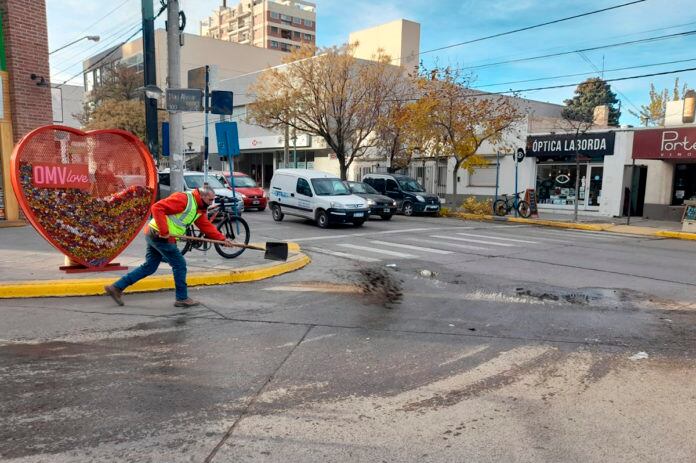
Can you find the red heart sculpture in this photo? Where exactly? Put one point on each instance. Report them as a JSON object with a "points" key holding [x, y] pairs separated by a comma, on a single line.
{"points": [[87, 193]]}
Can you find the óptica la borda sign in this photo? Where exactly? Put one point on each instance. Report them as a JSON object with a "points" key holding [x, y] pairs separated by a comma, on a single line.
{"points": [[61, 176]]}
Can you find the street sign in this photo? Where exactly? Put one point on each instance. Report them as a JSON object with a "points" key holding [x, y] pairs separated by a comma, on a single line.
{"points": [[221, 102], [227, 138], [196, 77], [181, 99], [519, 156]]}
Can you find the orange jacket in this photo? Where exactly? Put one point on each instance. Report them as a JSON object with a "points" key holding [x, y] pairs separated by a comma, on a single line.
{"points": [[175, 204]]}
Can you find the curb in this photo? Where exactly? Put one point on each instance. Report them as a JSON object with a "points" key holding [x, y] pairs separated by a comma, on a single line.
{"points": [[12, 223], [95, 286], [575, 226]]}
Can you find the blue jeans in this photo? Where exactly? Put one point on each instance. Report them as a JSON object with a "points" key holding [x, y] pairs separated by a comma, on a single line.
{"points": [[158, 251]]}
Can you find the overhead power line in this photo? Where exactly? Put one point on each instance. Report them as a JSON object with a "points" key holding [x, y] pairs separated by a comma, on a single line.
{"points": [[582, 50], [522, 29]]}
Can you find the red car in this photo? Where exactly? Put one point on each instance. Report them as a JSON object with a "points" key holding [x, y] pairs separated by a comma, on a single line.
{"points": [[254, 197]]}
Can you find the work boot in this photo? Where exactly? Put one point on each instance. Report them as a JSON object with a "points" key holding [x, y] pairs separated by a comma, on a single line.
{"points": [[188, 302], [115, 293]]}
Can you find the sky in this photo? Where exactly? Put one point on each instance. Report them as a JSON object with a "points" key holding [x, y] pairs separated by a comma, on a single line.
{"points": [[449, 22]]}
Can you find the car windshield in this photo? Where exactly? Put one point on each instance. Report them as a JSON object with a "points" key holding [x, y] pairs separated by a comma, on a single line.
{"points": [[196, 181], [358, 187], [329, 187], [242, 181], [410, 185]]}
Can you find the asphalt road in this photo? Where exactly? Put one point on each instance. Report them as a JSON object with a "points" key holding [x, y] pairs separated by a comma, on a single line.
{"points": [[419, 339]]}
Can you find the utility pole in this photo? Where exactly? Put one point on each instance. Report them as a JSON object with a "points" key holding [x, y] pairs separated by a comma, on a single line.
{"points": [[176, 136], [150, 78], [286, 148]]}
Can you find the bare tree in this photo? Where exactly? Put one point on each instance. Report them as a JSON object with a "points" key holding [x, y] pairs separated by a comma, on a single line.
{"points": [[331, 94]]}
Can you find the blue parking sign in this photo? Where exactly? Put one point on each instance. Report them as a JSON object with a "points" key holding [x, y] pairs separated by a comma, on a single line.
{"points": [[227, 138]]}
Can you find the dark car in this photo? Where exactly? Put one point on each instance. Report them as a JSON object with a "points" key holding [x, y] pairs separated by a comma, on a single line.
{"points": [[409, 195], [380, 205]]}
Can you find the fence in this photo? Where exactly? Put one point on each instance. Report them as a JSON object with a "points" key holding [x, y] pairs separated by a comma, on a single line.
{"points": [[432, 174]]}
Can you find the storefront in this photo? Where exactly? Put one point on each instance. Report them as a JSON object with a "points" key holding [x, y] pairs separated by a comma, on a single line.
{"points": [[557, 172], [669, 154]]}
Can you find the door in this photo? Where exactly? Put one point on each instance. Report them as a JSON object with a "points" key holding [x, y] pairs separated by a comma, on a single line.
{"points": [[394, 192], [594, 194], [303, 199]]}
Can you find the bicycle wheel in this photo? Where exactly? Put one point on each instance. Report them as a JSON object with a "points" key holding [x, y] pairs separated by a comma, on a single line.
{"points": [[524, 209], [236, 229], [500, 207], [185, 245]]}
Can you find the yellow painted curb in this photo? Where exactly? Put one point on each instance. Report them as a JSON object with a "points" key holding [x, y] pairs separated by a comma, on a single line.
{"points": [[95, 286], [677, 235], [554, 223]]}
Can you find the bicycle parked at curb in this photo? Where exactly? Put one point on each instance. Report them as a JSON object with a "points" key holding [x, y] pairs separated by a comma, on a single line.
{"points": [[508, 203], [230, 224]]}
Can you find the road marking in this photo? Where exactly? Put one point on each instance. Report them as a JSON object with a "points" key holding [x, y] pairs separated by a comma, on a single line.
{"points": [[451, 245], [472, 241], [343, 254], [408, 246], [379, 251], [498, 238], [407, 230]]}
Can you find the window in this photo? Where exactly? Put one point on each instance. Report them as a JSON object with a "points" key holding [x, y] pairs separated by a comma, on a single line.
{"points": [[274, 30], [410, 185], [275, 15], [483, 176], [330, 187], [391, 185], [297, 20], [295, 35], [164, 179], [307, 37], [308, 22], [286, 34], [377, 184], [274, 44], [303, 187], [556, 184], [287, 18]]}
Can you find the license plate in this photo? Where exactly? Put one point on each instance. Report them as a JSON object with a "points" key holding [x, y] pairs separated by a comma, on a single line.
{"points": [[386, 209], [254, 202], [358, 214]]}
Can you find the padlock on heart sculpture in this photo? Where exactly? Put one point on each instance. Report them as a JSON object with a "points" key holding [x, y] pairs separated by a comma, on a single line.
{"points": [[86, 193]]}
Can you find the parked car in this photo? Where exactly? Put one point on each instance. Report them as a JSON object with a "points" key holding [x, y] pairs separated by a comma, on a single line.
{"points": [[409, 195], [315, 195], [254, 196], [380, 205], [194, 180]]}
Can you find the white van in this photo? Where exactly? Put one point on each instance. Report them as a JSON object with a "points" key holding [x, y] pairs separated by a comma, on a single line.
{"points": [[315, 195]]}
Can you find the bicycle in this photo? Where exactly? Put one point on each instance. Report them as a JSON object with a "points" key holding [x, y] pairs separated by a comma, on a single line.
{"points": [[233, 226], [510, 202]]}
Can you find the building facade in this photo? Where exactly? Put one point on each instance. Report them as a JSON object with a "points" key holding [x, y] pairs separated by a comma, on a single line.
{"points": [[276, 24]]}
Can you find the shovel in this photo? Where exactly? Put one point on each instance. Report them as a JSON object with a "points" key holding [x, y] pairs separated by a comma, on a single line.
{"points": [[273, 250]]}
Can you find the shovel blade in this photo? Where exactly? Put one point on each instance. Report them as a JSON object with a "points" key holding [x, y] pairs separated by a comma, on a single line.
{"points": [[276, 251]]}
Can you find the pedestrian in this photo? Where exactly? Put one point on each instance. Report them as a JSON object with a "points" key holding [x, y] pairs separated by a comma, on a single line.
{"points": [[171, 216]]}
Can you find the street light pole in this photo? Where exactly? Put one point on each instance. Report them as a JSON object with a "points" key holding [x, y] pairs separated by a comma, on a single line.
{"points": [[93, 38], [149, 77]]}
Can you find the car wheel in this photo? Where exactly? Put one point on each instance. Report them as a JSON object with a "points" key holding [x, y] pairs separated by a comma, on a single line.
{"points": [[407, 208], [358, 223], [322, 219], [386, 217], [277, 213]]}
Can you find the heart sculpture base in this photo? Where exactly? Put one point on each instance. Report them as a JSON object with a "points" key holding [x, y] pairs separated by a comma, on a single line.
{"points": [[77, 268], [83, 269]]}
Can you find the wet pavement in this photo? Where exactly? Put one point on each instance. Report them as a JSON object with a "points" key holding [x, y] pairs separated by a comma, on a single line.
{"points": [[486, 356]]}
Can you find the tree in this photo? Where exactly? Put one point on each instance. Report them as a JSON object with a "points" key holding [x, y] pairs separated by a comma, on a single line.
{"points": [[451, 119], [115, 103], [328, 93], [589, 94], [653, 114]]}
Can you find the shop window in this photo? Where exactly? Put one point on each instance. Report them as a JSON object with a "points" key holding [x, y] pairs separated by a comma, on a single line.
{"points": [[556, 184], [684, 183]]}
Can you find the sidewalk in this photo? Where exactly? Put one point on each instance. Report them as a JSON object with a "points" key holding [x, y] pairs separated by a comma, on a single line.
{"points": [[29, 268], [638, 225]]}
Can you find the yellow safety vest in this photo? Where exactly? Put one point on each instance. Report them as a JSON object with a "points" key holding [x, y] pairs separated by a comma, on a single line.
{"points": [[177, 223]]}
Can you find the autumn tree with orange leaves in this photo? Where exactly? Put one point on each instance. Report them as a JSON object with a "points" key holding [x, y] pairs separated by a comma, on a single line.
{"points": [[449, 118]]}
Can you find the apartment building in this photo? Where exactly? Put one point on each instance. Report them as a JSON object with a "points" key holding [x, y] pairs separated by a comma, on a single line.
{"points": [[275, 24]]}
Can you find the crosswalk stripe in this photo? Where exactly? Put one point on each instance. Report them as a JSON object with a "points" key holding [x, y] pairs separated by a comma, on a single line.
{"points": [[498, 238], [472, 240], [451, 245], [343, 254], [408, 246], [378, 251], [578, 234]]}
